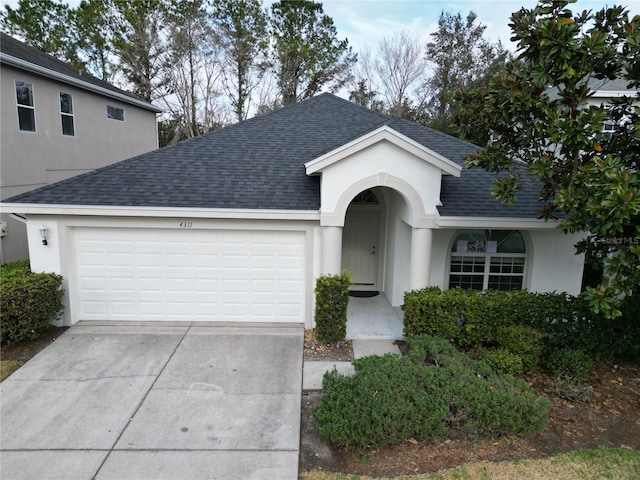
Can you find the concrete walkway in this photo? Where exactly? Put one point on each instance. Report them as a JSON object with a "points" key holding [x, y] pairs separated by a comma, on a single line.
{"points": [[373, 318], [156, 402]]}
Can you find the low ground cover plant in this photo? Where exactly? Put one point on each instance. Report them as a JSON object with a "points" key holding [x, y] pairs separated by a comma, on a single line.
{"points": [[29, 302], [435, 392]]}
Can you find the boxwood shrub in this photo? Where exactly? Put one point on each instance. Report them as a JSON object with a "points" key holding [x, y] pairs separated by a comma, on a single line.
{"points": [[29, 302], [472, 319], [332, 299], [433, 393]]}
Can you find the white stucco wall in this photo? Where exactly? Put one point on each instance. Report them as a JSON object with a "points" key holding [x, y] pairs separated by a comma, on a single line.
{"points": [[397, 252], [551, 261], [553, 265], [381, 164]]}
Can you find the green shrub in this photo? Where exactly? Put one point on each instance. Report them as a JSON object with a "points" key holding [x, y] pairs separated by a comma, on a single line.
{"points": [[434, 392], [382, 404], [504, 361], [471, 319], [12, 268], [569, 363], [29, 302], [523, 341], [332, 298]]}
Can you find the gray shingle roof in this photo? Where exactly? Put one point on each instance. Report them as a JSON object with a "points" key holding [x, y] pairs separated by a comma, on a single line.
{"points": [[16, 49], [259, 164]]}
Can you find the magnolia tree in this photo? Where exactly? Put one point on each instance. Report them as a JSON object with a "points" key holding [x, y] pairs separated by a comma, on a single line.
{"points": [[541, 111]]}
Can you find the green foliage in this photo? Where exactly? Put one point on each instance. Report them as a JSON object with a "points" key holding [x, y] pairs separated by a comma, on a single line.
{"points": [[242, 26], [569, 363], [524, 341], [433, 393], [332, 298], [461, 58], [29, 302], [45, 24], [523, 322], [504, 361], [12, 268], [382, 404], [306, 51], [542, 111]]}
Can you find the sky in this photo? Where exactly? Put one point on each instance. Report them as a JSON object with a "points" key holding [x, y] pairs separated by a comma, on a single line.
{"points": [[366, 22]]}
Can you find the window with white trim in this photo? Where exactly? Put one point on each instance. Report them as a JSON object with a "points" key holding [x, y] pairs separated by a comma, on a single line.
{"points": [[488, 259], [26, 106], [66, 114], [115, 113]]}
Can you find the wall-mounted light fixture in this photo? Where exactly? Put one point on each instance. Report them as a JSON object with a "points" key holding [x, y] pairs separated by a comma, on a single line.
{"points": [[44, 233]]}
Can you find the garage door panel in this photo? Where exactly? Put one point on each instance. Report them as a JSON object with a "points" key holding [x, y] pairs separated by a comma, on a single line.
{"points": [[209, 275]]}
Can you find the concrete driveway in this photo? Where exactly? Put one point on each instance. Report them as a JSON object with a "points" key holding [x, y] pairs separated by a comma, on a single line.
{"points": [[123, 401]]}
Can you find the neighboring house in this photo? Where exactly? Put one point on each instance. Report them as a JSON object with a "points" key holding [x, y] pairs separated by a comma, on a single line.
{"points": [[57, 122], [236, 225]]}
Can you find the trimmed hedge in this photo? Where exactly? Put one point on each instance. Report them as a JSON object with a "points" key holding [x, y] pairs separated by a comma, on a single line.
{"points": [[332, 298], [11, 268], [29, 302], [472, 319], [433, 393]]}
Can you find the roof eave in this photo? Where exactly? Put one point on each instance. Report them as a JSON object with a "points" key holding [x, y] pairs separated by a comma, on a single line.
{"points": [[31, 67], [159, 212], [511, 223]]}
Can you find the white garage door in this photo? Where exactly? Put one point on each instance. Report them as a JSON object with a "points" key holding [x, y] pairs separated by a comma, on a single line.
{"points": [[196, 275]]}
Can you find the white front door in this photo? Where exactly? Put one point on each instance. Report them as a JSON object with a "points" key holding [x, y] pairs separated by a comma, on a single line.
{"points": [[360, 247]]}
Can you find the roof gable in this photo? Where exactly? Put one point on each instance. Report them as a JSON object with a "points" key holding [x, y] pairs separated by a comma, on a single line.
{"points": [[384, 133]]}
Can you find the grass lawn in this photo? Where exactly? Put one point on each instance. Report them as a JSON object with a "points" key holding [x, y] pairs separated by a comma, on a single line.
{"points": [[7, 367], [601, 463]]}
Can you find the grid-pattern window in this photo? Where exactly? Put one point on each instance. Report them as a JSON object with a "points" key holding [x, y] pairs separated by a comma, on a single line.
{"points": [[485, 259], [26, 106], [506, 273], [66, 114], [467, 272], [115, 113]]}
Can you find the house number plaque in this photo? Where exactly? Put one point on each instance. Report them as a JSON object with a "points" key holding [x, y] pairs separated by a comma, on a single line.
{"points": [[186, 224]]}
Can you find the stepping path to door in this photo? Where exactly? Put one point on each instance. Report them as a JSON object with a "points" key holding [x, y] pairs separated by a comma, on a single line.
{"points": [[163, 401]]}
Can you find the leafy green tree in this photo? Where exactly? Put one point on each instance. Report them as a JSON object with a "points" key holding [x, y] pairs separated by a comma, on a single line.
{"points": [[307, 53], [45, 25], [242, 27], [461, 58], [543, 112], [140, 46], [94, 32]]}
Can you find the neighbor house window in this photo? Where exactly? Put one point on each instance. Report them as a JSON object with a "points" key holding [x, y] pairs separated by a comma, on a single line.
{"points": [[488, 259], [609, 128], [26, 108], [66, 113], [115, 113]]}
